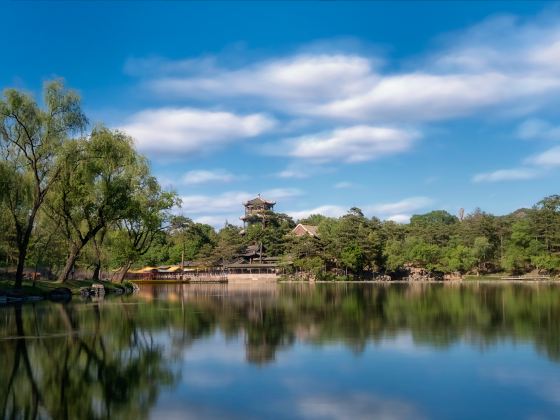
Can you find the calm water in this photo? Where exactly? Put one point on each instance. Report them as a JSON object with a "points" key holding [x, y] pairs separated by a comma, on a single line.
{"points": [[287, 351]]}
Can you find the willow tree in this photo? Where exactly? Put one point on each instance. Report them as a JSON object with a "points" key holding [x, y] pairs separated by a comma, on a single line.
{"points": [[99, 175], [146, 218], [30, 138]]}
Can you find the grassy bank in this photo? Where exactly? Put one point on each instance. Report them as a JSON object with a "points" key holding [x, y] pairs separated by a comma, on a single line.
{"points": [[43, 288]]}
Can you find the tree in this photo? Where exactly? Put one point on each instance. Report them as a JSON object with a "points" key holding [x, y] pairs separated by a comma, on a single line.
{"points": [[100, 175], [30, 138], [230, 243], [481, 250], [435, 227], [145, 219], [271, 233], [190, 240], [458, 258], [545, 219], [521, 246]]}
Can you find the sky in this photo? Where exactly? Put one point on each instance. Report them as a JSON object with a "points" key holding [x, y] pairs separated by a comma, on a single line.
{"points": [[397, 108]]}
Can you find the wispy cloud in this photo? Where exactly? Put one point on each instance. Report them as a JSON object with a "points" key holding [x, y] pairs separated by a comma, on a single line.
{"points": [[537, 129], [207, 176], [496, 63], [406, 205], [548, 158], [343, 185], [184, 131], [300, 79], [350, 144], [515, 174], [400, 218], [230, 202], [326, 210], [398, 211]]}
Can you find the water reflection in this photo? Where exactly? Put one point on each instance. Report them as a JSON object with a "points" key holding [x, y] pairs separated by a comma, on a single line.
{"points": [[141, 355], [63, 361], [272, 316]]}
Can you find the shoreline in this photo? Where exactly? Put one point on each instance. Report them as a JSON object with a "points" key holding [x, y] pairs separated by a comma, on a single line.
{"points": [[63, 292], [52, 291]]}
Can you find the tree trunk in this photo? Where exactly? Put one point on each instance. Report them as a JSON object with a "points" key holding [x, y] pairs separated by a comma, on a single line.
{"points": [[70, 261], [22, 254], [20, 266], [98, 244], [124, 270], [23, 245], [96, 271]]}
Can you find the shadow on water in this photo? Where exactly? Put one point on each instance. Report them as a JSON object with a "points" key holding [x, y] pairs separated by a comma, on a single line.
{"points": [[112, 359]]}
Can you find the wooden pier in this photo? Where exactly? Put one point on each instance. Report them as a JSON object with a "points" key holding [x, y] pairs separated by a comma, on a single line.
{"points": [[208, 276]]}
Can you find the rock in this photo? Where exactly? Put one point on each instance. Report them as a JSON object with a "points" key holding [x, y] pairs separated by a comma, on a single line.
{"points": [[421, 274], [98, 289], [119, 290], [456, 276]]}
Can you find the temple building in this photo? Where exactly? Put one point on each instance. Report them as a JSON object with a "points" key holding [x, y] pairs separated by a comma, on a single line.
{"points": [[303, 230], [256, 210]]}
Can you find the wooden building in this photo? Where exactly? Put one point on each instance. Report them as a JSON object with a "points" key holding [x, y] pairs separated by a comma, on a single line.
{"points": [[302, 230], [256, 210]]}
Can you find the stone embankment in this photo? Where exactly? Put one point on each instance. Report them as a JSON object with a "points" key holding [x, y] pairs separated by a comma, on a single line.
{"points": [[421, 274]]}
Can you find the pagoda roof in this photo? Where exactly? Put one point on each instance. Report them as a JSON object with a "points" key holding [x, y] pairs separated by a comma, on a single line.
{"points": [[259, 200]]}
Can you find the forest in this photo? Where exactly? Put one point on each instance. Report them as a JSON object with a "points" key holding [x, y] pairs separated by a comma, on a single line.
{"points": [[355, 246], [79, 197]]}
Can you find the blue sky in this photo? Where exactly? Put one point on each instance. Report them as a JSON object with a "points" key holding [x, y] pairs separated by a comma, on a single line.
{"points": [[397, 108]]}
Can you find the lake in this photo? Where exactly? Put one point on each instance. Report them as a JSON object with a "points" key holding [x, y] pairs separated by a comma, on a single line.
{"points": [[307, 351]]}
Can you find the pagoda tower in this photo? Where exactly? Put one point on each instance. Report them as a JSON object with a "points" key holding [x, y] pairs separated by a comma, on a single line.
{"points": [[256, 210]]}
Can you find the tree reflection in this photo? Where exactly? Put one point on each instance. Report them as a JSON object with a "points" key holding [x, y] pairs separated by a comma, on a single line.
{"points": [[112, 359], [84, 371], [437, 315]]}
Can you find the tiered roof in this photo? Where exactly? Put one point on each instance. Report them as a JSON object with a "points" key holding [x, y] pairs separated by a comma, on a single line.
{"points": [[258, 200]]}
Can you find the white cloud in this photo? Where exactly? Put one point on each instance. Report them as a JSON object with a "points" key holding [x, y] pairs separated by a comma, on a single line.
{"points": [[549, 158], [390, 211], [185, 131], [351, 144], [497, 63], [400, 218], [422, 96], [396, 209], [538, 129], [328, 210], [299, 169], [299, 79], [206, 176], [218, 221], [343, 185], [506, 175], [230, 202], [291, 173]]}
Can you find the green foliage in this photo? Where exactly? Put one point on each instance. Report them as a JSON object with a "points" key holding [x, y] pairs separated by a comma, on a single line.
{"points": [[271, 233], [31, 138], [435, 227]]}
